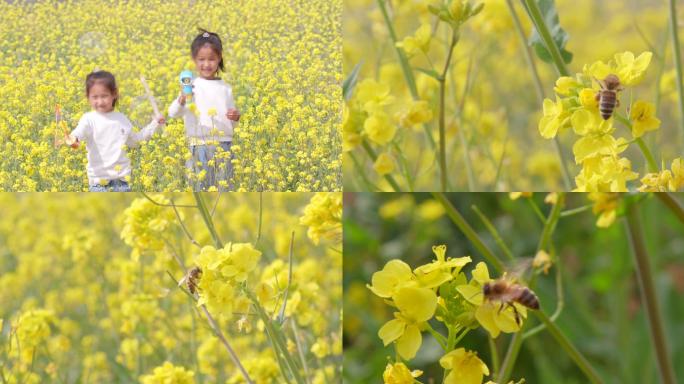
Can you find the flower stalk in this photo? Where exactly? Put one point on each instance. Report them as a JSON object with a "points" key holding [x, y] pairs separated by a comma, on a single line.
{"points": [[442, 111], [669, 200], [543, 29], [677, 59], [405, 66], [648, 295], [540, 89]]}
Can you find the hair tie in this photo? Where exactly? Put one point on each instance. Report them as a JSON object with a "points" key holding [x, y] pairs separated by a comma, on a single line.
{"points": [[205, 34]]}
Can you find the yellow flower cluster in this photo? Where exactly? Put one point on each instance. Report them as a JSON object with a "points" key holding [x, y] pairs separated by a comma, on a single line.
{"points": [[145, 221], [597, 150], [323, 216], [666, 180], [282, 59], [439, 290], [169, 374], [493, 96], [222, 269], [77, 299]]}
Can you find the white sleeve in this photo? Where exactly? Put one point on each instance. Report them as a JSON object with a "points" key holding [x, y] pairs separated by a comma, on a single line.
{"points": [[83, 130], [176, 109], [135, 137]]}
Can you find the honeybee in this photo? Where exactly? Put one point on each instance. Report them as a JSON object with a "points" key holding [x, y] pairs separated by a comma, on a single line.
{"points": [[507, 293], [192, 279], [607, 95]]}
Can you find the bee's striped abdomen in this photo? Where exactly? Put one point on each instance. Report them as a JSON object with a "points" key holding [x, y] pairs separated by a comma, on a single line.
{"points": [[528, 299], [607, 103]]}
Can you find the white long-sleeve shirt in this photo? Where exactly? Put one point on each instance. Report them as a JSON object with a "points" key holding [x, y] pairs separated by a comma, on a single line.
{"points": [[210, 97], [106, 136]]}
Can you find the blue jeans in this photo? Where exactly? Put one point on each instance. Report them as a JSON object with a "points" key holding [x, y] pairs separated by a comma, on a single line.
{"points": [[222, 170], [112, 186]]}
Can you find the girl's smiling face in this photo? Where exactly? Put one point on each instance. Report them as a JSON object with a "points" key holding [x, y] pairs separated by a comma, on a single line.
{"points": [[101, 98], [207, 62]]}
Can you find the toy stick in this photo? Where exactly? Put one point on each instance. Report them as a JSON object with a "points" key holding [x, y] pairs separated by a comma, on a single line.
{"points": [[150, 97], [59, 123]]}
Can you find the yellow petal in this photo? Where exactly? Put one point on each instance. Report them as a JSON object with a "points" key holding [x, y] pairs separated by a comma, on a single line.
{"points": [[416, 304], [481, 273], [391, 331], [409, 343], [395, 274], [471, 293], [485, 316]]}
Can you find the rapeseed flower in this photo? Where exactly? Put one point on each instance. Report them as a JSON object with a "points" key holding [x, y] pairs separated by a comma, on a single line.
{"points": [[642, 115], [398, 373], [464, 367], [493, 316], [416, 306]]}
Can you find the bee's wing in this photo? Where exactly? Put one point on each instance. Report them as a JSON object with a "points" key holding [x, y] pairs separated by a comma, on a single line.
{"points": [[516, 271], [183, 280]]}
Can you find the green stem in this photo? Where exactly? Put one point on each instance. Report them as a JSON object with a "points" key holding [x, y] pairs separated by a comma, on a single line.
{"points": [[207, 219], [495, 234], [495, 353], [461, 132], [648, 294], [231, 352], [540, 89], [528, 54], [277, 337], [408, 175], [536, 209], [440, 338], [545, 34], [551, 222], [677, 59], [300, 350], [261, 211], [560, 304], [650, 160], [669, 200], [469, 232], [652, 165], [405, 66], [442, 108], [371, 153], [370, 187], [570, 349], [574, 211], [511, 356]]}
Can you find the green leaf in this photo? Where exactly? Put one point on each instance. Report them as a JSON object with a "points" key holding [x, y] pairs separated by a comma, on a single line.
{"points": [[558, 34], [350, 82]]}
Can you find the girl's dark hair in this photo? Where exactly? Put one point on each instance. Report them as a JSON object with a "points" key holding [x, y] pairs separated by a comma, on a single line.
{"points": [[211, 39], [105, 78]]}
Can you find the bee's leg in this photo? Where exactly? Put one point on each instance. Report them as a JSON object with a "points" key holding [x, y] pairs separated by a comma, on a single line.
{"points": [[517, 315], [598, 96], [501, 307], [617, 103]]}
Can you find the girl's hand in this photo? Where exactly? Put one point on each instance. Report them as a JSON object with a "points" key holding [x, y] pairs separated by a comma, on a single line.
{"points": [[233, 114], [161, 120], [71, 141], [181, 99]]}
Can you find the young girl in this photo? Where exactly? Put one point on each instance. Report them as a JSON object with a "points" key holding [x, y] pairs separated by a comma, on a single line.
{"points": [[210, 115], [105, 132]]}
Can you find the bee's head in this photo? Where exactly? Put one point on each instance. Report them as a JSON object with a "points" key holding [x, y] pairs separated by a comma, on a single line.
{"points": [[486, 289], [612, 82]]}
